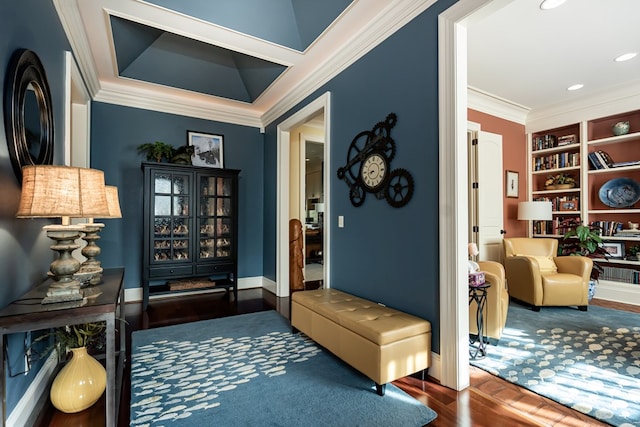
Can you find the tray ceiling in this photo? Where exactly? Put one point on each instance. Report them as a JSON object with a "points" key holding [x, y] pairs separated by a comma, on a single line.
{"points": [[249, 62]]}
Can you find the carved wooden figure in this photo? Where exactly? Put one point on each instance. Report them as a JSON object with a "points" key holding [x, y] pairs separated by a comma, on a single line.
{"points": [[296, 255]]}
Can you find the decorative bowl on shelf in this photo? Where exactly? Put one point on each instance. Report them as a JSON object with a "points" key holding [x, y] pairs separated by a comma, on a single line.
{"points": [[619, 193], [620, 128], [559, 186]]}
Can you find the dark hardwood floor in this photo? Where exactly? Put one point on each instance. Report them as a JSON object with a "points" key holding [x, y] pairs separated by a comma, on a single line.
{"points": [[489, 401]]}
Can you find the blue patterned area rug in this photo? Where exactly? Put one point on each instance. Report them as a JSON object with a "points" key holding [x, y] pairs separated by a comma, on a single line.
{"points": [[250, 370], [588, 361]]}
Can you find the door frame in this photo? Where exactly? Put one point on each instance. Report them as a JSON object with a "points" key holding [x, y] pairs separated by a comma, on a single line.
{"points": [[77, 116], [453, 183], [320, 104]]}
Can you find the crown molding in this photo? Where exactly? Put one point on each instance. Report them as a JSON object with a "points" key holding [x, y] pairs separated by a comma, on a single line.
{"points": [[387, 22], [157, 99], [284, 94], [486, 103], [71, 21], [599, 104]]}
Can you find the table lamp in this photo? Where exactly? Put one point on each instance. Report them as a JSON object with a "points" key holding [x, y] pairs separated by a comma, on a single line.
{"points": [[535, 211], [538, 210], [62, 192], [90, 271]]}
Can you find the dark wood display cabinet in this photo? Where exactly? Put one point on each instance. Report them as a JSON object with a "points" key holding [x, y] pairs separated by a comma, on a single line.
{"points": [[190, 222]]}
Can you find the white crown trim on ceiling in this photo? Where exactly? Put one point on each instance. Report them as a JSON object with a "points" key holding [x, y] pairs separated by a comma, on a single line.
{"points": [[362, 26]]}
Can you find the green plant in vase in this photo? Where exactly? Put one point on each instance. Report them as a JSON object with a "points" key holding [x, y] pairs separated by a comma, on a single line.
{"points": [[633, 253], [83, 379], [157, 151], [65, 338], [583, 240]]}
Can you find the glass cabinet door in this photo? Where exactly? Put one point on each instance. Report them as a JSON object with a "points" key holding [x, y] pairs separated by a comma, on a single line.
{"points": [[170, 198], [215, 225]]}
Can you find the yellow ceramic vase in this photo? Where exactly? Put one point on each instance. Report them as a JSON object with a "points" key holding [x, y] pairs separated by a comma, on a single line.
{"points": [[79, 384]]}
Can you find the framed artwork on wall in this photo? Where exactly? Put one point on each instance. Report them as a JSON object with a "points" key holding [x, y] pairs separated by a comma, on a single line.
{"points": [[208, 149], [511, 184]]}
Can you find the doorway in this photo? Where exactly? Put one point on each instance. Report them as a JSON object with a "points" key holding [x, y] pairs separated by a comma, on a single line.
{"points": [[291, 181], [453, 187], [313, 183]]}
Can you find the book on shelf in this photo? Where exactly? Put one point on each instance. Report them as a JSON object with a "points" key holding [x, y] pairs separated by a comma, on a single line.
{"points": [[605, 159], [602, 160], [627, 233], [607, 228], [567, 140], [595, 162], [622, 164], [543, 142], [618, 274]]}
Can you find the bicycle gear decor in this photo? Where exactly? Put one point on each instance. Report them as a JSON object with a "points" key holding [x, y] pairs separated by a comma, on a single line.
{"points": [[368, 167]]}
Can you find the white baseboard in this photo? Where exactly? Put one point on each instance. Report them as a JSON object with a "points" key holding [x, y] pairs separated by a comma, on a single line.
{"points": [[21, 414], [434, 369], [135, 294], [618, 292]]}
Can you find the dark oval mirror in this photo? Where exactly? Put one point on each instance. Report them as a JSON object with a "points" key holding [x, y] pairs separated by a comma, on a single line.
{"points": [[28, 117]]}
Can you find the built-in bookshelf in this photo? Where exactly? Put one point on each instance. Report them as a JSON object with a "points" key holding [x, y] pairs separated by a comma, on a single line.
{"points": [[605, 172]]}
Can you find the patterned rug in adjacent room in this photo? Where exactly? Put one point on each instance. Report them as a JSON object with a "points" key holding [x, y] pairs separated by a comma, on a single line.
{"points": [[251, 370], [588, 361]]}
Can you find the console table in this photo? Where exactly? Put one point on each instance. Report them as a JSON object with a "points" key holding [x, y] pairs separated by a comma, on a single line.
{"points": [[102, 302]]}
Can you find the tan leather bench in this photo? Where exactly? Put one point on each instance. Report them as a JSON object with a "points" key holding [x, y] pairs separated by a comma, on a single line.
{"points": [[382, 343]]}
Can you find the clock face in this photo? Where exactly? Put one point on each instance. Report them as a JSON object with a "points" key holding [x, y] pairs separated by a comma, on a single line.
{"points": [[374, 171]]}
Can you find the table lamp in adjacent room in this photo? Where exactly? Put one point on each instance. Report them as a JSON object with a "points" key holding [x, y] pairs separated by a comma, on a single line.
{"points": [[535, 211], [62, 192], [91, 269]]}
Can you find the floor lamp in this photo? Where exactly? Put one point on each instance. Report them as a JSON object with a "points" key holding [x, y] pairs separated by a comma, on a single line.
{"points": [[535, 211], [62, 192], [90, 272]]}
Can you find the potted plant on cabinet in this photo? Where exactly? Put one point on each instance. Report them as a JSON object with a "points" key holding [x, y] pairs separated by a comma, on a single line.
{"points": [[583, 240], [157, 151]]}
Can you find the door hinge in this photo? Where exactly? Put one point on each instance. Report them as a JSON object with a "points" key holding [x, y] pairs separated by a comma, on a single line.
{"points": [[474, 185], [474, 141], [475, 229]]}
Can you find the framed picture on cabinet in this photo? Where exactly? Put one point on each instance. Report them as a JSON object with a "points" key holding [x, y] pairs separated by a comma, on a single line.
{"points": [[511, 184], [208, 149], [614, 249]]}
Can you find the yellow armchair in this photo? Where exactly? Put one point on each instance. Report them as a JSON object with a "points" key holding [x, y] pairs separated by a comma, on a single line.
{"points": [[536, 276], [497, 305]]}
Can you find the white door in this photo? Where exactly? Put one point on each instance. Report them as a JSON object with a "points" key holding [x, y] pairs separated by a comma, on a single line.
{"points": [[487, 223]]}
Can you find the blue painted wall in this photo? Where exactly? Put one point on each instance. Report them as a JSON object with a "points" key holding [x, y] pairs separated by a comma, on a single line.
{"points": [[24, 248], [386, 254], [117, 131]]}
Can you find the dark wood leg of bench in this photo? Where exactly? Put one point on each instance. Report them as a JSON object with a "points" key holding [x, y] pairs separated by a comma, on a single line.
{"points": [[380, 389]]}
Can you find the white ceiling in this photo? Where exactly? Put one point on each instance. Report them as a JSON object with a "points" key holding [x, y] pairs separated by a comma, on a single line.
{"points": [[529, 56], [518, 53]]}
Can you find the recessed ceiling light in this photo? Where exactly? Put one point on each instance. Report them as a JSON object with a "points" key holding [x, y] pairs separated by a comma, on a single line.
{"points": [[626, 57], [550, 4], [575, 87]]}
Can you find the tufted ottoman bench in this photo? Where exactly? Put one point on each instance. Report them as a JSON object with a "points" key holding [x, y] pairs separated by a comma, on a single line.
{"points": [[382, 343]]}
